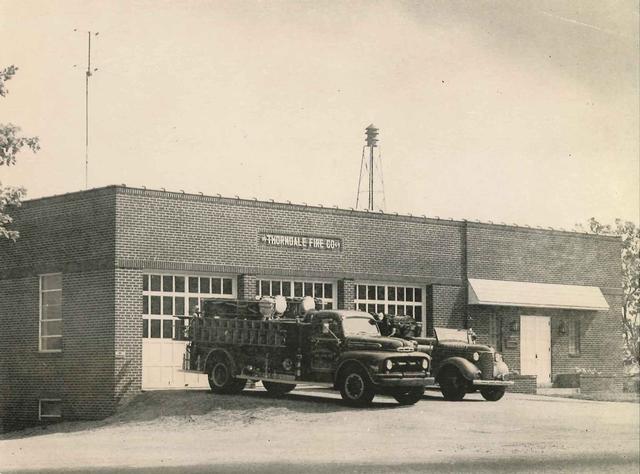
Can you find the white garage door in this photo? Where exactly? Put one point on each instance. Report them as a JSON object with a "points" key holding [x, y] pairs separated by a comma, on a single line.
{"points": [[164, 297]]}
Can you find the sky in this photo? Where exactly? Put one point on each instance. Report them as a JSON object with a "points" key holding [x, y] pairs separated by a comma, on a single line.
{"points": [[521, 112]]}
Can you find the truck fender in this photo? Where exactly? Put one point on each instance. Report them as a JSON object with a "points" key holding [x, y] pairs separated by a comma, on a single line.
{"points": [[347, 362], [468, 370], [219, 351]]}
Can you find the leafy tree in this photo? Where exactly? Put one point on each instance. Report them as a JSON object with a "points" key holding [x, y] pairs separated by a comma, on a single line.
{"points": [[630, 235], [11, 142]]}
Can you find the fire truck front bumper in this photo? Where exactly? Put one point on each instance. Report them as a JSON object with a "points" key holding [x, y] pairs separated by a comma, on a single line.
{"points": [[398, 380]]}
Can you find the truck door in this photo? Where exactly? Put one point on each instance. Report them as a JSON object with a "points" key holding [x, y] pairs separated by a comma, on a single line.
{"points": [[326, 337]]}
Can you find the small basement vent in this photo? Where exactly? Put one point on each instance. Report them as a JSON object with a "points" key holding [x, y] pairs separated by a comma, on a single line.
{"points": [[50, 409]]}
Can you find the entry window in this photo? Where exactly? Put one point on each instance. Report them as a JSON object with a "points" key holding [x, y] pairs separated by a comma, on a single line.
{"points": [[390, 299], [324, 290], [49, 409], [164, 297], [51, 313], [574, 337]]}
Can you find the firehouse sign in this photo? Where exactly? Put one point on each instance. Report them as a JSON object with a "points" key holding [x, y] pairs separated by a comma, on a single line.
{"points": [[301, 242]]}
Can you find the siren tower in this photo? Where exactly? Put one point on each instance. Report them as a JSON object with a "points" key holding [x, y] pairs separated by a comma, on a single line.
{"points": [[369, 164]]}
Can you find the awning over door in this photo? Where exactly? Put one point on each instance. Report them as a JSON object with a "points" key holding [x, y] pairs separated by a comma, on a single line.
{"points": [[536, 295]]}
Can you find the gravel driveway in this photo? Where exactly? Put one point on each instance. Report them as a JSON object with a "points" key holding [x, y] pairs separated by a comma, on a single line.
{"points": [[313, 428]]}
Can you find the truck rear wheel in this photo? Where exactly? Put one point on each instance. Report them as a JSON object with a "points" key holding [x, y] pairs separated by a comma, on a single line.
{"points": [[278, 389], [355, 387], [221, 379], [452, 384], [492, 394], [408, 397]]}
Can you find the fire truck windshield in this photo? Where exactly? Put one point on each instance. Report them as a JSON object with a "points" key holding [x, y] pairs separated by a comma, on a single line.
{"points": [[360, 326]]}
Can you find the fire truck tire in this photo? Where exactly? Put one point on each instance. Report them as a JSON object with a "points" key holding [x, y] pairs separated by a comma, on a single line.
{"points": [[409, 397], [355, 387], [492, 394], [452, 384], [278, 389], [221, 379]]}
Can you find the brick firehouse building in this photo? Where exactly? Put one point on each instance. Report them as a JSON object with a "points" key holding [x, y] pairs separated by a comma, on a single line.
{"points": [[90, 291]]}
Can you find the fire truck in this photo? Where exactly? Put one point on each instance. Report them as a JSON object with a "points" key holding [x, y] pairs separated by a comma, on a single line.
{"points": [[459, 364], [287, 343]]}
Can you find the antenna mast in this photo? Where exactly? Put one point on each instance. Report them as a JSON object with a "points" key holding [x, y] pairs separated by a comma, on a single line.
{"points": [[88, 73]]}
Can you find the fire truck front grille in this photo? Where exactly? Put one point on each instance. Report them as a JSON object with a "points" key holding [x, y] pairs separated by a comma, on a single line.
{"points": [[485, 364]]}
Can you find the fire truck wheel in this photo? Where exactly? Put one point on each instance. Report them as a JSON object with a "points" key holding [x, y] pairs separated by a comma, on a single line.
{"points": [[452, 384], [355, 387], [492, 394], [221, 379], [278, 389], [409, 397]]}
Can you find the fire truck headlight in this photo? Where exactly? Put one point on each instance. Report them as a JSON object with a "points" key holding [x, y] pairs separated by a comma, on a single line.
{"points": [[425, 364], [497, 357], [476, 356], [388, 364]]}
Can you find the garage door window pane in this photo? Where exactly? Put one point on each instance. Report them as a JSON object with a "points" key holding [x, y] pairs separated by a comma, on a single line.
{"points": [[308, 289], [155, 282], [193, 302], [328, 290], [155, 305], [155, 328], [179, 306], [167, 329], [227, 286], [297, 289], [317, 289], [167, 305], [418, 294], [145, 305], [179, 284], [286, 288], [145, 282], [145, 328], [167, 283], [216, 286], [205, 285], [193, 284]]}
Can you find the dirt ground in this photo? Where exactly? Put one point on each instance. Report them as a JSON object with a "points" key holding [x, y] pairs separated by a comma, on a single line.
{"points": [[312, 429]]}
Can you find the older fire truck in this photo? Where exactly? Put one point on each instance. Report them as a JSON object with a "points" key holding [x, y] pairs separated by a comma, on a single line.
{"points": [[282, 345], [459, 364]]}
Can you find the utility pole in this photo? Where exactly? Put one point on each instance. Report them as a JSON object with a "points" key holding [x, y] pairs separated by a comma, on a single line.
{"points": [[88, 73]]}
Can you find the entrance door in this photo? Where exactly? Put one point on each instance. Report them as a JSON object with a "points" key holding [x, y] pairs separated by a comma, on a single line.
{"points": [[535, 347]]}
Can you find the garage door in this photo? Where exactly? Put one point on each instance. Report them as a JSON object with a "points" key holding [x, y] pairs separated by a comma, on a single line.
{"points": [[164, 297]]}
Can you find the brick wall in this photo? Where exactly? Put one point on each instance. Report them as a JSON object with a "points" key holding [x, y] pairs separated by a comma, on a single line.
{"points": [[446, 307], [128, 334], [69, 233], [219, 234], [82, 374], [518, 254], [346, 293], [74, 235]]}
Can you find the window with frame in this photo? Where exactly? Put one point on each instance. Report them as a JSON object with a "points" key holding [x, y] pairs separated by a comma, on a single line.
{"points": [[573, 329], [390, 299], [323, 290], [49, 408], [165, 297], [50, 313]]}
